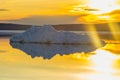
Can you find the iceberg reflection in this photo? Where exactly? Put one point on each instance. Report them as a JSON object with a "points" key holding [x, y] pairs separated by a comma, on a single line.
{"points": [[49, 51]]}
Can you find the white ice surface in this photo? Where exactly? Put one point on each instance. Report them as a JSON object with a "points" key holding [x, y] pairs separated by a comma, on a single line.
{"points": [[48, 34]]}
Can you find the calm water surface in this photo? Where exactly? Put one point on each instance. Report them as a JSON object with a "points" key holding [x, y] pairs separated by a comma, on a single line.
{"points": [[37, 62]]}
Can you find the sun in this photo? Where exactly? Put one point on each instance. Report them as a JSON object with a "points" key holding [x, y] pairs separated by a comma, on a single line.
{"points": [[103, 6], [96, 11], [97, 6]]}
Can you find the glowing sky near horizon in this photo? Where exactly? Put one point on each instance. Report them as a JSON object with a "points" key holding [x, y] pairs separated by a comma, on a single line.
{"points": [[15, 9], [86, 11]]}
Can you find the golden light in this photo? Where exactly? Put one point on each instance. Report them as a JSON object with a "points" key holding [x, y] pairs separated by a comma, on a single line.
{"points": [[80, 56], [100, 77], [114, 27], [103, 61], [94, 36]]}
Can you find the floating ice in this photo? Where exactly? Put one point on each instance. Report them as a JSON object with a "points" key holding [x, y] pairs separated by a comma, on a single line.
{"points": [[47, 34]]}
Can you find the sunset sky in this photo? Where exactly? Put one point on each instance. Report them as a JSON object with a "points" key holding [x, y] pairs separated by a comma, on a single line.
{"points": [[59, 11]]}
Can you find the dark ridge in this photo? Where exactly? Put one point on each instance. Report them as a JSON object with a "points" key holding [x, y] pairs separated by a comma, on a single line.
{"points": [[10, 26], [5, 35], [82, 27], [66, 27]]}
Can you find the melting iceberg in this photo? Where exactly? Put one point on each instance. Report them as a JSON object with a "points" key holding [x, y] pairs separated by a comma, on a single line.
{"points": [[47, 34]]}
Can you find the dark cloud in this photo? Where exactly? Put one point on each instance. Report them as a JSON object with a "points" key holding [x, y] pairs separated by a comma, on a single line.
{"points": [[4, 10], [85, 8], [88, 9]]}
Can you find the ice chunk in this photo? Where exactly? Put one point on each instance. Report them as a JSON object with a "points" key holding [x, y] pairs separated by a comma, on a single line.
{"points": [[47, 34]]}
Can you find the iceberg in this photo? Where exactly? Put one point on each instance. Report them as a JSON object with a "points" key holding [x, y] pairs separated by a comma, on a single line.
{"points": [[47, 34]]}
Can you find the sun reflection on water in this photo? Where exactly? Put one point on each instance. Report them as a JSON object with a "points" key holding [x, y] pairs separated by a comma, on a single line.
{"points": [[103, 61], [102, 77], [103, 66]]}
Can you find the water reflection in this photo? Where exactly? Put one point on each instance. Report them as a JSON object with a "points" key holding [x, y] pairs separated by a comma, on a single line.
{"points": [[104, 65], [49, 51]]}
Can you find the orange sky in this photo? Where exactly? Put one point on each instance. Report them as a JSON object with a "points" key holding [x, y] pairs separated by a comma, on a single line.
{"points": [[23, 8], [81, 11]]}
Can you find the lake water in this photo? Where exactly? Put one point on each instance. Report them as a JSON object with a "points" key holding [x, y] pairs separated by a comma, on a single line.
{"points": [[58, 62]]}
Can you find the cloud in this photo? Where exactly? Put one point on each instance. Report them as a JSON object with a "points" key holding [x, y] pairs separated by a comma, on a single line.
{"points": [[81, 8], [115, 12], [88, 15], [3, 9], [115, 15]]}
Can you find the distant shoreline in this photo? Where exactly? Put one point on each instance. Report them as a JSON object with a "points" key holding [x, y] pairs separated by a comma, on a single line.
{"points": [[7, 33], [9, 29], [65, 27]]}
